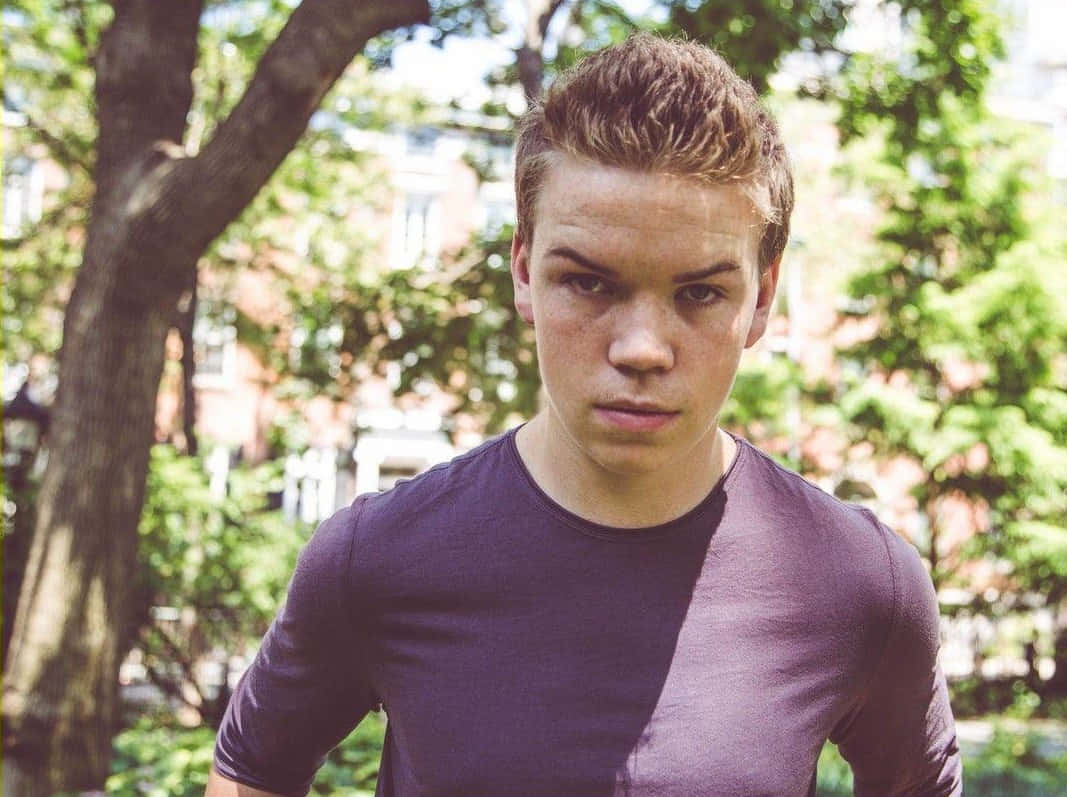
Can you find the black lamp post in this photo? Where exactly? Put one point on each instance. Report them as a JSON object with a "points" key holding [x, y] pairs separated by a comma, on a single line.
{"points": [[25, 422]]}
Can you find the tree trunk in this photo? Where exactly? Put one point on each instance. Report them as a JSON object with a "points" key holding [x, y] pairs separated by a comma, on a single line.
{"points": [[60, 689], [154, 213]]}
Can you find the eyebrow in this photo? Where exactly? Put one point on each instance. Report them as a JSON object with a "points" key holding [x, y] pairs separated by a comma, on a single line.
{"points": [[688, 276]]}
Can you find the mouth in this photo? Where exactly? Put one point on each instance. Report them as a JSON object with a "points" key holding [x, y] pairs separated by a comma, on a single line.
{"points": [[635, 416]]}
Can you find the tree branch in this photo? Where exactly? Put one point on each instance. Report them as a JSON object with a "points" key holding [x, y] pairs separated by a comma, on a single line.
{"points": [[546, 16], [81, 32], [529, 57], [175, 651], [56, 145], [204, 194], [185, 322], [168, 687]]}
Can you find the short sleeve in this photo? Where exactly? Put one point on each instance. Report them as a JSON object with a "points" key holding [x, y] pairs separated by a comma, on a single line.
{"points": [[900, 738], [306, 688]]}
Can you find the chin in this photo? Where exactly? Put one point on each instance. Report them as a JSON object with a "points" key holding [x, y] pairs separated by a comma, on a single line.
{"points": [[631, 459]]}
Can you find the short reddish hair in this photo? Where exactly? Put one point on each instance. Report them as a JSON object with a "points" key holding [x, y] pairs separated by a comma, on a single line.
{"points": [[664, 106]]}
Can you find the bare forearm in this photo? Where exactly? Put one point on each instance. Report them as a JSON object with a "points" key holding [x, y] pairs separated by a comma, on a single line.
{"points": [[220, 786]]}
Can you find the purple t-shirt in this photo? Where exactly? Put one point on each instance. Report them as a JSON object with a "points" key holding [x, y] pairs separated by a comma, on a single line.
{"points": [[520, 650]]}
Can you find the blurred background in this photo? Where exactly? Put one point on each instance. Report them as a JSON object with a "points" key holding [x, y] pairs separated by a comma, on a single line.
{"points": [[219, 328]]}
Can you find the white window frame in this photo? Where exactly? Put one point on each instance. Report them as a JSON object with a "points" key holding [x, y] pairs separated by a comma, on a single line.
{"points": [[416, 229], [23, 195], [220, 335]]}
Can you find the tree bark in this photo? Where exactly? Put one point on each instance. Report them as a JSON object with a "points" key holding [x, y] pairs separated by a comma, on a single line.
{"points": [[154, 213]]}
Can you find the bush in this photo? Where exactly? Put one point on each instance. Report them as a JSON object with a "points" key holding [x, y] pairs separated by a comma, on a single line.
{"points": [[222, 561], [352, 767], [161, 760], [154, 760], [1009, 766], [157, 758]]}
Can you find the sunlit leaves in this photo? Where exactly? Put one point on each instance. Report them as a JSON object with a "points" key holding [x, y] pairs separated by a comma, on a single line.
{"points": [[753, 37], [972, 329]]}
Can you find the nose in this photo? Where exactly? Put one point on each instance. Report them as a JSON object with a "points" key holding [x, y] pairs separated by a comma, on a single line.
{"points": [[641, 341]]}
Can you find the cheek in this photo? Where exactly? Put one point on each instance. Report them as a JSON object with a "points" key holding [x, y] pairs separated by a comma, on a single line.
{"points": [[561, 340], [720, 328], [558, 318]]}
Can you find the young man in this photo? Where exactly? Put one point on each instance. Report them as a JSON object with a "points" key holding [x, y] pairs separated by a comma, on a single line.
{"points": [[618, 598]]}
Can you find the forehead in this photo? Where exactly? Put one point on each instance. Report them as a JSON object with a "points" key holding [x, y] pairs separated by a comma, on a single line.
{"points": [[626, 213]]}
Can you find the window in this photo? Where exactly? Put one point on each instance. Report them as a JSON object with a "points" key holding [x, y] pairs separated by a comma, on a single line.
{"points": [[23, 189], [215, 344], [417, 230]]}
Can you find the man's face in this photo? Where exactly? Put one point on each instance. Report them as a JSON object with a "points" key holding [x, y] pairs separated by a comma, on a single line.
{"points": [[643, 291]]}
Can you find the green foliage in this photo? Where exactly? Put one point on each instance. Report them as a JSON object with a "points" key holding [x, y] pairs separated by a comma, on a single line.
{"points": [[48, 80], [158, 758], [765, 405], [950, 48], [465, 18], [976, 696], [48, 48], [308, 235], [153, 759], [753, 37], [225, 562], [458, 327], [1011, 765], [965, 374], [834, 774], [352, 766], [208, 553]]}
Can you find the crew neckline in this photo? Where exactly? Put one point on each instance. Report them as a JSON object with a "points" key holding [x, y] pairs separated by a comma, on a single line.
{"points": [[670, 528]]}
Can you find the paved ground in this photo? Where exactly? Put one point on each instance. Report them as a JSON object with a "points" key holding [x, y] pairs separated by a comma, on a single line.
{"points": [[974, 734]]}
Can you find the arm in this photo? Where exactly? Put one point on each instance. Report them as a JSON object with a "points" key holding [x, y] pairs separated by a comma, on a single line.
{"points": [[900, 737], [307, 687], [220, 786]]}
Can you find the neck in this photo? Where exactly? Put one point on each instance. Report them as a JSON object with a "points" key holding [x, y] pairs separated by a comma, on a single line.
{"points": [[622, 500]]}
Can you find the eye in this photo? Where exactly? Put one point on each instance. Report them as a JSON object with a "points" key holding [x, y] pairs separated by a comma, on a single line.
{"points": [[698, 293], [587, 284]]}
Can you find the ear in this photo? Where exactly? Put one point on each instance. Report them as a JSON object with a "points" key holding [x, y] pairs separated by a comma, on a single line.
{"points": [[520, 278], [768, 283]]}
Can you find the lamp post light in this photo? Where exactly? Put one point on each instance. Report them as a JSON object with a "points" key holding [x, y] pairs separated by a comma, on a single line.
{"points": [[25, 422]]}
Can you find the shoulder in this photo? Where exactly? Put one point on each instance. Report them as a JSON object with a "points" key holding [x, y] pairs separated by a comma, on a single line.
{"points": [[444, 491], [422, 514], [380, 534], [864, 558], [808, 509]]}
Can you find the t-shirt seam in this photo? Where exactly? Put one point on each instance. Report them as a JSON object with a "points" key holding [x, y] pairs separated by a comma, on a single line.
{"points": [[793, 476], [348, 598], [882, 533], [894, 616]]}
